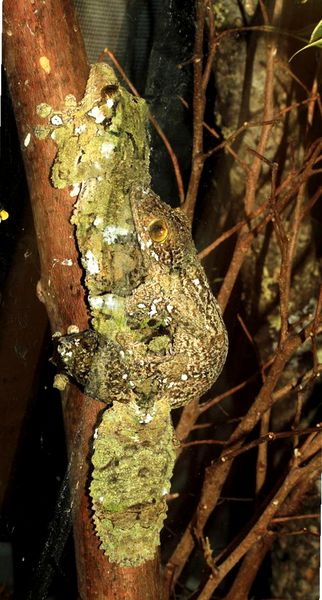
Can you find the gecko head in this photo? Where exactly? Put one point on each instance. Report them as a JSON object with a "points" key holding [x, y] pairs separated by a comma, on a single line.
{"points": [[163, 232]]}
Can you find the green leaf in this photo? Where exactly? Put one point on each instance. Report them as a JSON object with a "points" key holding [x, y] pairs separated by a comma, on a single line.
{"points": [[315, 40]]}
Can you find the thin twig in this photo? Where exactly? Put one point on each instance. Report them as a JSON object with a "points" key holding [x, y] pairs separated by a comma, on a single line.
{"points": [[199, 103]]}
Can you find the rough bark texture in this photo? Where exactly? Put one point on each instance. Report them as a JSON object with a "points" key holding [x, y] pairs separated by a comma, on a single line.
{"points": [[45, 60]]}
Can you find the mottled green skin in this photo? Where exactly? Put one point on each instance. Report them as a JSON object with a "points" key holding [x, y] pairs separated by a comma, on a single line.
{"points": [[132, 470], [105, 159], [157, 339]]}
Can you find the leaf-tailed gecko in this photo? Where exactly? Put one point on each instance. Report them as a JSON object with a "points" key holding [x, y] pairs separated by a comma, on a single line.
{"points": [[157, 339]]}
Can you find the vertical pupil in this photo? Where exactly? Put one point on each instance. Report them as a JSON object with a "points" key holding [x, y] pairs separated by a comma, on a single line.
{"points": [[158, 230]]}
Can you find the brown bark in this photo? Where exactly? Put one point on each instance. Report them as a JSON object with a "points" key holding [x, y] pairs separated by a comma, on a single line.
{"points": [[44, 60]]}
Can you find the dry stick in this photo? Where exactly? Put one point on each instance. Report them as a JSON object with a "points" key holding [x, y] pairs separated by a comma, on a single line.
{"points": [[256, 532], [296, 518], [193, 410], [190, 412], [255, 555], [302, 531], [246, 238], [287, 243], [261, 461], [187, 542], [300, 382], [306, 449], [214, 401], [216, 473], [316, 362], [250, 124], [303, 380], [315, 87], [265, 398], [261, 29], [154, 122], [201, 80], [212, 131], [251, 182], [222, 238], [309, 205], [314, 450], [256, 213], [270, 436], [199, 103], [298, 413], [250, 566]]}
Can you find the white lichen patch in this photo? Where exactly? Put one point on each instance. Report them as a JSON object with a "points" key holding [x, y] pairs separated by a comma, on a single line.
{"points": [[72, 329], [154, 255], [109, 102], [97, 221], [92, 265], [112, 232], [27, 139], [147, 419], [67, 262], [97, 165], [56, 120], [169, 308], [96, 301], [107, 149], [65, 353], [144, 245], [153, 310], [184, 377], [111, 301], [80, 129], [60, 382], [141, 305], [45, 64], [97, 114], [56, 334], [196, 282], [75, 190]]}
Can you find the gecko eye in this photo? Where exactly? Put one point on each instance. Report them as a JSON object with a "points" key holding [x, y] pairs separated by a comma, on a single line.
{"points": [[158, 231], [109, 90]]}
